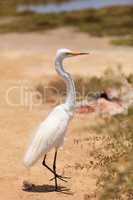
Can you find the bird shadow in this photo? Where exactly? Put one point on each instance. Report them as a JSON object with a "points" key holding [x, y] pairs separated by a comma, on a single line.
{"points": [[29, 187]]}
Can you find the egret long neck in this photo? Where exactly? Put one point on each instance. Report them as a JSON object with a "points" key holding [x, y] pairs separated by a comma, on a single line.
{"points": [[71, 92]]}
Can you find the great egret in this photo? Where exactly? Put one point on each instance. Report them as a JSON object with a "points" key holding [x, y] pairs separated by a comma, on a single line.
{"points": [[51, 132]]}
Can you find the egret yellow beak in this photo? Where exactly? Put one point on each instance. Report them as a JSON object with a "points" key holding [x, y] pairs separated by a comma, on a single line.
{"points": [[79, 53]]}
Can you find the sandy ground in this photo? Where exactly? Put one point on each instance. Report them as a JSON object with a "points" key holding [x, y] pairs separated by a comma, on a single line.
{"points": [[27, 57]]}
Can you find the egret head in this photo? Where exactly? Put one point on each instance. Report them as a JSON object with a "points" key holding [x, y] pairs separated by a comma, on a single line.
{"points": [[64, 53]]}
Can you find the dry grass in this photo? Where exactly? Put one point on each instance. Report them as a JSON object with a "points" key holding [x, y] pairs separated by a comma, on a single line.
{"points": [[117, 180], [115, 20], [85, 86], [130, 78]]}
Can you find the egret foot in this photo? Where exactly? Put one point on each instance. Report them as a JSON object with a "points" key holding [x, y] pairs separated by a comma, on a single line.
{"points": [[62, 178]]}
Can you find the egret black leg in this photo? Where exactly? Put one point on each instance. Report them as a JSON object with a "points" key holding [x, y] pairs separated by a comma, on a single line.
{"points": [[54, 169], [45, 165]]}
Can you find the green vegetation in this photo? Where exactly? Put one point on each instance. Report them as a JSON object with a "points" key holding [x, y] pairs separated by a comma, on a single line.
{"points": [[111, 21], [8, 7], [123, 41]]}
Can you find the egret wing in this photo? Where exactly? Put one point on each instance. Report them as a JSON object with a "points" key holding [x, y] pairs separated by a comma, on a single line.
{"points": [[49, 134]]}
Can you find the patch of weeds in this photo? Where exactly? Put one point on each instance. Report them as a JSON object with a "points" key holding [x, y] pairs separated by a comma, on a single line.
{"points": [[109, 21], [117, 180], [123, 41]]}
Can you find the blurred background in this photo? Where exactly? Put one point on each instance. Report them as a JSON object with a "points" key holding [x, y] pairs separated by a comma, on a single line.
{"points": [[100, 141]]}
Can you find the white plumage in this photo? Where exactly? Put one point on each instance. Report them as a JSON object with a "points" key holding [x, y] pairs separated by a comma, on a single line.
{"points": [[49, 134]]}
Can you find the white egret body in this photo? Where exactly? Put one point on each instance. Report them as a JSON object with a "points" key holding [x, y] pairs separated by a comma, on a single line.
{"points": [[50, 134]]}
